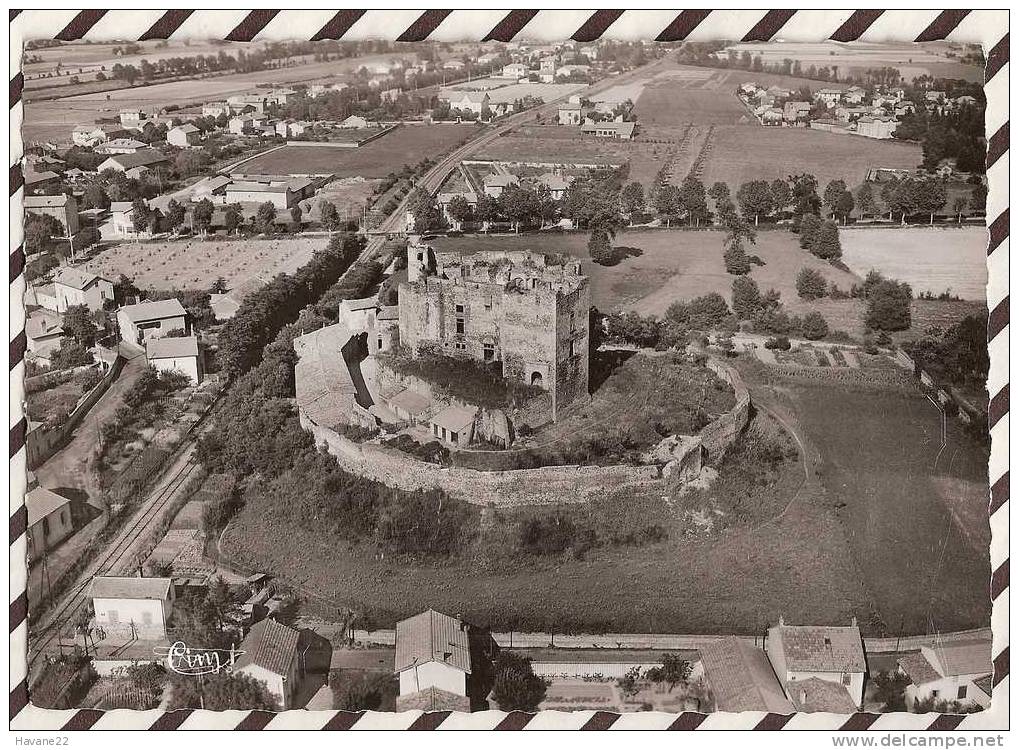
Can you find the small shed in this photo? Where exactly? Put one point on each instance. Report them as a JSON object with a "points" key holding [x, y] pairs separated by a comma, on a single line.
{"points": [[455, 424]]}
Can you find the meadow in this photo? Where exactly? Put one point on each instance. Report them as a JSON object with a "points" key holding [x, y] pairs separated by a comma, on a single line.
{"points": [[929, 259]]}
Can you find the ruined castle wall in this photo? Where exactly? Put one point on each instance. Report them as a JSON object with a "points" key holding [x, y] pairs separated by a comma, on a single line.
{"points": [[542, 486], [720, 434], [572, 342]]}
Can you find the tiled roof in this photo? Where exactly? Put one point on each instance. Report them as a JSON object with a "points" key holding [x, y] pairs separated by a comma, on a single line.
{"points": [[270, 645], [815, 648], [76, 278], [960, 658], [432, 636], [165, 308], [741, 678], [171, 347], [41, 502], [323, 384], [815, 694], [142, 158], [410, 401], [129, 587], [45, 201], [42, 322], [918, 669]]}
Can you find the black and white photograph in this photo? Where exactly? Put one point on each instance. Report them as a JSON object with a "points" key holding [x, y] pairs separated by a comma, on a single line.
{"points": [[509, 369]]}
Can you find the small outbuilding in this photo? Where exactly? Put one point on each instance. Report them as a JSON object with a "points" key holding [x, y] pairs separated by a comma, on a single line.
{"points": [[176, 354], [133, 606]]}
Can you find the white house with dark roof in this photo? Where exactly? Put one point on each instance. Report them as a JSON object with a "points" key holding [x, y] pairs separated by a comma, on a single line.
{"points": [[49, 521], [77, 286], [433, 662], [272, 656], [43, 331], [952, 671], [148, 158], [133, 606], [830, 653], [149, 320], [175, 354], [455, 424], [121, 146]]}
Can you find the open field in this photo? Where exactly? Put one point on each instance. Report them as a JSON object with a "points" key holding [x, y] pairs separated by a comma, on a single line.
{"points": [[405, 145], [682, 264], [673, 265], [196, 264], [911, 60], [885, 477], [500, 91], [698, 95], [745, 152], [349, 195], [928, 259]]}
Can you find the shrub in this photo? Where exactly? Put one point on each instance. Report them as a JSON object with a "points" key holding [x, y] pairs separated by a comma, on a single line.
{"points": [[778, 342], [89, 380], [825, 243], [888, 306], [737, 262], [746, 297], [813, 326], [811, 284]]}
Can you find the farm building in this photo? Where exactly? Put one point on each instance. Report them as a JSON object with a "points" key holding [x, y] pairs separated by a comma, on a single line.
{"points": [[623, 131], [242, 102], [149, 158], [39, 182], [354, 121], [741, 678], [573, 112], [271, 654], [132, 118], [121, 146], [956, 671], [75, 286], [184, 136], [557, 184], [795, 112], [49, 521], [469, 101], [151, 320], [88, 136], [63, 208], [175, 354], [494, 184], [832, 654], [133, 606]]}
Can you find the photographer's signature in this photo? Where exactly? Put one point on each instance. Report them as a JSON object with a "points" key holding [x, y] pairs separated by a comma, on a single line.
{"points": [[183, 659]]}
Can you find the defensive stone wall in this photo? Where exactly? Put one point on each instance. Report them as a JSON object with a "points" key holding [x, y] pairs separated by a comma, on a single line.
{"points": [[719, 435]]}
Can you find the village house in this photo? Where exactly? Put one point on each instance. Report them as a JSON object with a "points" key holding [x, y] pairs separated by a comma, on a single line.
{"points": [[272, 655], [494, 184], [63, 208], [175, 354], [245, 102], [949, 671], [184, 136], [121, 146], [43, 327], [799, 653], [455, 425], [830, 97], [133, 607], [557, 184], [433, 662], [121, 223], [283, 194], [470, 101], [132, 119], [150, 320], [149, 158], [76, 286], [215, 110], [354, 121], [795, 112], [290, 128], [49, 521], [241, 125], [772, 116], [89, 136], [514, 70], [622, 131], [567, 71], [741, 678], [855, 95], [572, 113], [443, 199]]}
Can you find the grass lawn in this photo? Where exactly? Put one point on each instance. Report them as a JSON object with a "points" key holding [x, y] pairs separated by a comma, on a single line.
{"points": [[407, 145], [880, 470], [749, 152], [928, 259], [195, 263]]}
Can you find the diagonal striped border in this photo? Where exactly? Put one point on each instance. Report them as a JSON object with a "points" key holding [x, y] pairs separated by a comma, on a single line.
{"points": [[962, 25]]}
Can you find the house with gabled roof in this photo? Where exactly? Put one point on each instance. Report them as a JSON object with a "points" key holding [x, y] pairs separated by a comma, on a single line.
{"points": [[49, 521], [133, 606], [148, 320], [78, 286], [272, 654], [178, 354], [949, 671], [433, 662], [741, 678], [830, 653], [147, 157]]}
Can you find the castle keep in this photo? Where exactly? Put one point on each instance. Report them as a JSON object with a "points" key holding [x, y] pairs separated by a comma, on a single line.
{"points": [[524, 310]]}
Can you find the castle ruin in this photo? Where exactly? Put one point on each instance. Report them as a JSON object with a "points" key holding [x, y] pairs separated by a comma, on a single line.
{"points": [[525, 310]]}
